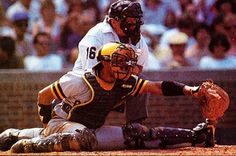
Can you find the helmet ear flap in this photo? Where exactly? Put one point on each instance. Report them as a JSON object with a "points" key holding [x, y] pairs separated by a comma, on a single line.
{"points": [[99, 56]]}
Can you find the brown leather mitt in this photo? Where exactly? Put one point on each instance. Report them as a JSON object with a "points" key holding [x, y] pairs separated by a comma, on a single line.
{"points": [[214, 100]]}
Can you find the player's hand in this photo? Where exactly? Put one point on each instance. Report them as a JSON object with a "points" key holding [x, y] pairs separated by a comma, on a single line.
{"points": [[45, 125]]}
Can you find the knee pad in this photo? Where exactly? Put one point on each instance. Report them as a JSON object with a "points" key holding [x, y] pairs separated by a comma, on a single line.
{"points": [[86, 139], [135, 134], [81, 140], [171, 136]]}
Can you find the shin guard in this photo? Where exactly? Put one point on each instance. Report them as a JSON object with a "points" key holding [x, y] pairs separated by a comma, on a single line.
{"points": [[172, 136], [83, 140]]}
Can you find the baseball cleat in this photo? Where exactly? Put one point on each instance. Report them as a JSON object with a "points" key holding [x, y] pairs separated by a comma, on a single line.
{"points": [[8, 138], [205, 131], [210, 141]]}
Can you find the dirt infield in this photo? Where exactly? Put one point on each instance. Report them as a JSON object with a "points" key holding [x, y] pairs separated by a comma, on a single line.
{"points": [[217, 150]]}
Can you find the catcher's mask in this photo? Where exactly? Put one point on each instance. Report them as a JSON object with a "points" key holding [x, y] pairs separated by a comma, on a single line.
{"points": [[122, 59], [129, 14]]}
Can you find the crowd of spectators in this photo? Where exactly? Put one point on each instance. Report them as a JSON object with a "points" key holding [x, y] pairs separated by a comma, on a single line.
{"points": [[44, 34]]}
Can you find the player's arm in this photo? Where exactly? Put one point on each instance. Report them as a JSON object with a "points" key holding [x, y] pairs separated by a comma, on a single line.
{"points": [[67, 86], [45, 98], [166, 88]]}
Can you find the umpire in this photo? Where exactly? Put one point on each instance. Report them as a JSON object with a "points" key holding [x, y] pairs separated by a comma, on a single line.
{"points": [[122, 24]]}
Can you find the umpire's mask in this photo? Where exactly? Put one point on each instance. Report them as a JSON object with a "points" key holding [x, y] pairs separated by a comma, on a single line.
{"points": [[130, 16]]}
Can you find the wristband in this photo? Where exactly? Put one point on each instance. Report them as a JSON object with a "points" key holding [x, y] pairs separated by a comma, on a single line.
{"points": [[195, 89], [44, 112], [172, 88]]}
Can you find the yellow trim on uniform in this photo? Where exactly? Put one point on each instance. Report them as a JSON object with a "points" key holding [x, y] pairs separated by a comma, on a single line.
{"points": [[136, 87], [54, 95], [82, 104], [143, 86], [58, 90]]}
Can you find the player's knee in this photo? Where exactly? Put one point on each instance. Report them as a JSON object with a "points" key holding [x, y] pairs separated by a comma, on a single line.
{"points": [[86, 139], [82, 140], [135, 134]]}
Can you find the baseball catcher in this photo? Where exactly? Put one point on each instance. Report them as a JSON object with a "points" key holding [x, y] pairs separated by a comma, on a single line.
{"points": [[77, 123]]}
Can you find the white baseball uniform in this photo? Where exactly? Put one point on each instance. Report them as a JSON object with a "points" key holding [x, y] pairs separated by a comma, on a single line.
{"points": [[96, 37]]}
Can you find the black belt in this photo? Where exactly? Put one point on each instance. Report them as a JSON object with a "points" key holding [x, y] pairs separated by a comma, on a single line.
{"points": [[66, 107]]}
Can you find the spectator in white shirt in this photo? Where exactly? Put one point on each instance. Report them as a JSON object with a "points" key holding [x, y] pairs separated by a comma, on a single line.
{"points": [[219, 58], [44, 60]]}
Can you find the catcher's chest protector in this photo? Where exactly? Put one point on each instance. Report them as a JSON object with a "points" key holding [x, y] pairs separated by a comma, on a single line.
{"points": [[93, 114]]}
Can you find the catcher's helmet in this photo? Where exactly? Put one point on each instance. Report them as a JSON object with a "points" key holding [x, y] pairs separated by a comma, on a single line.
{"points": [[121, 10], [122, 59]]}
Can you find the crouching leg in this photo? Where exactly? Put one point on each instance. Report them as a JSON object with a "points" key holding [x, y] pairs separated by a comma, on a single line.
{"points": [[174, 137], [139, 136], [82, 140]]}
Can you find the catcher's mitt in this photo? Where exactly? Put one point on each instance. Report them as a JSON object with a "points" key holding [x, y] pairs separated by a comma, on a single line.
{"points": [[214, 100]]}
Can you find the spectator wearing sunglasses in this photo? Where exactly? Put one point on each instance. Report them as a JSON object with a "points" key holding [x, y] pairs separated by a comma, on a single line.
{"points": [[19, 22]]}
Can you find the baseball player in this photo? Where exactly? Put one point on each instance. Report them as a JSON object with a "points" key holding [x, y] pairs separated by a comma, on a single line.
{"points": [[78, 121], [122, 24]]}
